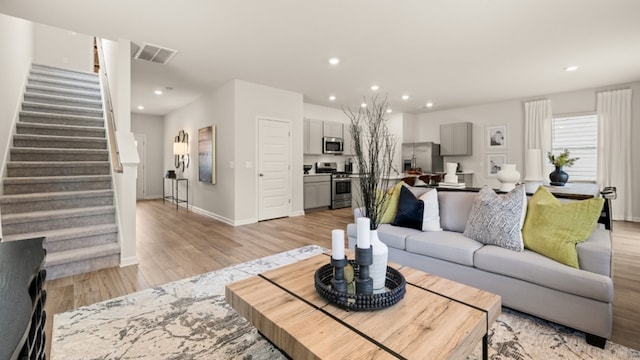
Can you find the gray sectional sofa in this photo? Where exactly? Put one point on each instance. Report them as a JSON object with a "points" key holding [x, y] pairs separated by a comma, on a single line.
{"points": [[527, 281]]}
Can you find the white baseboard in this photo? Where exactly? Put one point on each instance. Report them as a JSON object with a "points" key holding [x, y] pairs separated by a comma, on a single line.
{"points": [[153, 197], [297, 213], [132, 260], [200, 211]]}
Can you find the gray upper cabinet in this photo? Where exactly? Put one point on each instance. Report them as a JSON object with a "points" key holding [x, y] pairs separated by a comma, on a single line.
{"points": [[332, 129], [312, 140], [456, 139], [347, 141]]}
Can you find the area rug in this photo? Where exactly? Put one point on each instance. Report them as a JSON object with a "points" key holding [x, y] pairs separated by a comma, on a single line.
{"points": [[189, 319]]}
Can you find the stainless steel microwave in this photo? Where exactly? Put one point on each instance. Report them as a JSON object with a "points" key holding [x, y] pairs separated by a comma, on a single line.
{"points": [[332, 145]]}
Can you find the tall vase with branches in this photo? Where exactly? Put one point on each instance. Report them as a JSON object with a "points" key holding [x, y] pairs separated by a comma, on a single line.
{"points": [[374, 149]]}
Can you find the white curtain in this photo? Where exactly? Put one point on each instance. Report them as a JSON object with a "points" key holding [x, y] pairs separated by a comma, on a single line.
{"points": [[614, 148], [537, 130]]}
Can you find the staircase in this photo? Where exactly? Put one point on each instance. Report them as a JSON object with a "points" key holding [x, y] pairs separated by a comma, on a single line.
{"points": [[58, 177]]}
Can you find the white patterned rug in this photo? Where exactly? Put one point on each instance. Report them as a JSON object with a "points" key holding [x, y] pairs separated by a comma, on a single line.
{"points": [[189, 319]]}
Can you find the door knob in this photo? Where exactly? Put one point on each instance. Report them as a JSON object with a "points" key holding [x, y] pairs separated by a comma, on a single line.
{"points": [[261, 174]]}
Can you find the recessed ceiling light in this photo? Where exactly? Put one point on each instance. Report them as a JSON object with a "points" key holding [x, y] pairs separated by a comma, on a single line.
{"points": [[332, 97], [571, 68], [364, 105], [140, 107], [158, 92], [429, 104], [334, 61], [375, 87], [405, 97], [389, 110]]}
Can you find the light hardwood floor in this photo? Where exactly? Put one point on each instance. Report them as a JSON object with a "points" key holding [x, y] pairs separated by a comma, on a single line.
{"points": [[173, 245]]}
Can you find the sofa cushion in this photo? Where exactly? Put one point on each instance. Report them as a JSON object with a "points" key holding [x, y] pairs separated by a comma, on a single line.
{"points": [[538, 269], [455, 207], [444, 245], [553, 228], [431, 211], [497, 219], [410, 210], [395, 236]]}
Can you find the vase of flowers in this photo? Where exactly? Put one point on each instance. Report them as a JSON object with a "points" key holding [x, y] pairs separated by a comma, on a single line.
{"points": [[558, 177], [373, 147]]}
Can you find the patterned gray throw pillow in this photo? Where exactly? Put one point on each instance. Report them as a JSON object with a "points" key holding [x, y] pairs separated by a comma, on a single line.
{"points": [[498, 219]]}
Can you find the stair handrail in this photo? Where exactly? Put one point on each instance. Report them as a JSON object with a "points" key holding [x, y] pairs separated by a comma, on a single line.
{"points": [[111, 122]]}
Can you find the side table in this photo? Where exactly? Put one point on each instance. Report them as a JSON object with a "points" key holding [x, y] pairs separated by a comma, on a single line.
{"points": [[174, 197]]}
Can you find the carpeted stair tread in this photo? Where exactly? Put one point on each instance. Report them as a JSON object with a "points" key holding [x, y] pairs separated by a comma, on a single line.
{"points": [[7, 199], [44, 109], [25, 150], [65, 234], [70, 256], [62, 99], [60, 127], [57, 168], [58, 138], [56, 69], [9, 219], [44, 89], [70, 75], [49, 115], [57, 82], [36, 164], [55, 179]]}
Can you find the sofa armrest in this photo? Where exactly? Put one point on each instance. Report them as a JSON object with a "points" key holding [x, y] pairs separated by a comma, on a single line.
{"points": [[594, 254]]}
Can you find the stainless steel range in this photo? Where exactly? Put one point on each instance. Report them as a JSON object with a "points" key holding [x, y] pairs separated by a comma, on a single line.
{"points": [[340, 184]]}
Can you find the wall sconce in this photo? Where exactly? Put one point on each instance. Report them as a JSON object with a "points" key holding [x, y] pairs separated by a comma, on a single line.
{"points": [[181, 150]]}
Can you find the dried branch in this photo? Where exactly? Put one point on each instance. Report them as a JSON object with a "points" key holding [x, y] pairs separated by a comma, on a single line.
{"points": [[374, 148]]}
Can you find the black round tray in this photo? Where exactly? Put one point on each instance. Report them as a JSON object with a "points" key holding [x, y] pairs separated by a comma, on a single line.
{"points": [[395, 289]]}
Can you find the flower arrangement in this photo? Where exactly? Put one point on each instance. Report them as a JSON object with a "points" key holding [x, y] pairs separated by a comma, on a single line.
{"points": [[563, 159], [374, 148]]}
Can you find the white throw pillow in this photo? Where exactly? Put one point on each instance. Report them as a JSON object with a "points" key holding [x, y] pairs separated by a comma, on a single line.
{"points": [[431, 213]]}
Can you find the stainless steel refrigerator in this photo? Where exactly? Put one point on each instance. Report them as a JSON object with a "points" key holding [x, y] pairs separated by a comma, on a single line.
{"points": [[423, 155]]}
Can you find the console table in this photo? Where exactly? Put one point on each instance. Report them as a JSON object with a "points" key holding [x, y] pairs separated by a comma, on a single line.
{"points": [[22, 299], [175, 186]]}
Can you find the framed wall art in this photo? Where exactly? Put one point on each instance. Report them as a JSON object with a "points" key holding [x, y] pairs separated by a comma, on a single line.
{"points": [[207, 154], [497, 137], [494, 163]]}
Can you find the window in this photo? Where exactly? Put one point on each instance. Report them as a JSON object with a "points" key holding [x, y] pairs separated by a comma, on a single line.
{"points": [[579, 134]]}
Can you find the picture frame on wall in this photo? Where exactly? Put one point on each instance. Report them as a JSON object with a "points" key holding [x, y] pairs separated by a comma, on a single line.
{"points": [[497, 137], [494, 163], [207, 154]]}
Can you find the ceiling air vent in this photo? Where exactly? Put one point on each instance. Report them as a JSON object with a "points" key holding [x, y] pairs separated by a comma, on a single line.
{"points": [[154, 54]]}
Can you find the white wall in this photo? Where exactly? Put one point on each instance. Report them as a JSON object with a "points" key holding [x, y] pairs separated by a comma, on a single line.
{"points": [[427, 128], [153, 128], [235, 109], [214, 108], [62, 48], [16, 47], [253, 101]]}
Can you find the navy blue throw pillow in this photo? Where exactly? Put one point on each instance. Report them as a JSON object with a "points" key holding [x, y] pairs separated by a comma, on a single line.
{"points": [[410, 210]]}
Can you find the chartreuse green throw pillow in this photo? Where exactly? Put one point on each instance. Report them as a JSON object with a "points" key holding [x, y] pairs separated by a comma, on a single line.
{"points": [[553, 228], [389, 214]]}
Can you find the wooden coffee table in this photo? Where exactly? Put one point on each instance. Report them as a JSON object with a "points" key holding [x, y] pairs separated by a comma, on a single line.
{"points": [[437, 319]]}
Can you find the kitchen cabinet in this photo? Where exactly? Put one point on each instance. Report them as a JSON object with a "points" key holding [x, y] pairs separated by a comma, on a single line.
{"points": [[332, 129], [317, 191], [312, 140], [456, 139], [347, 141]]}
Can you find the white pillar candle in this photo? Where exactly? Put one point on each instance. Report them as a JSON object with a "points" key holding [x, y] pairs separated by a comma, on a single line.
{"points": [[337, 244], [364, 233]]}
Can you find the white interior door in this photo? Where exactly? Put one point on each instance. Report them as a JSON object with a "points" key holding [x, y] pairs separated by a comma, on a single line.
{"points": [[274, 169], [141, 144]]}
